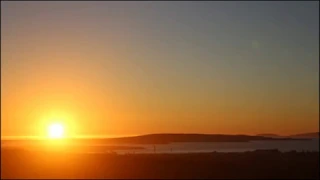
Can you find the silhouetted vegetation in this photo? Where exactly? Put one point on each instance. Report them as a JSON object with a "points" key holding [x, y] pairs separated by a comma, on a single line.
{"points": [[257, 164]]}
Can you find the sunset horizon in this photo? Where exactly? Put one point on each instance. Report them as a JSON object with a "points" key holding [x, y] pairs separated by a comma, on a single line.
{"points": [[116, 68], [133, 135], [160, 89]]}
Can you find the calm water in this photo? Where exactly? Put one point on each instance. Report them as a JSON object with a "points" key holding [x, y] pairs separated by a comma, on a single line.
{"points": [[303, 145], [308, 145]]}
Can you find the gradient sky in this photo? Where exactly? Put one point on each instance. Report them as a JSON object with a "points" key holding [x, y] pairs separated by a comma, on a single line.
{"points": [[124, 68]]}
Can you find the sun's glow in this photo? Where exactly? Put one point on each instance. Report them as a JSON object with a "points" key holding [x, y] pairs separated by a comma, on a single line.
{"points": [[56, 131]]}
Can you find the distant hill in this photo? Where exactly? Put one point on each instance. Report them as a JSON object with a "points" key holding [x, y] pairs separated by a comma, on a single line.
{"points": [[295, 136], [165, 139], [172, 138], [270, 135], [306, 135]]}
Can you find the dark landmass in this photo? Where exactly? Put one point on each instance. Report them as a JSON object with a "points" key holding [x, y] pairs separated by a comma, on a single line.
{"points": [[174, 138], [306, 135], [271, 135], [112, 148], [260, 164], [295, 136], [163, 139]]}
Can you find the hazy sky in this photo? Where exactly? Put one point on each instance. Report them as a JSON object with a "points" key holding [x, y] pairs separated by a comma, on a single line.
{"points": [[120, 68]]}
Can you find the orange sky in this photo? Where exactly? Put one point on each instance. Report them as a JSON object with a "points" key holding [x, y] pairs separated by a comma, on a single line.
{"points": [[109, 70]]}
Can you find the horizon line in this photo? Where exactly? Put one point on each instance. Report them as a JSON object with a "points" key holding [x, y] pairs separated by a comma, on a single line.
{"points": [[132, 135]]}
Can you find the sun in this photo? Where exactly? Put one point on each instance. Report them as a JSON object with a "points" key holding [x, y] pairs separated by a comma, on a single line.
{"points": [[56, 131]]}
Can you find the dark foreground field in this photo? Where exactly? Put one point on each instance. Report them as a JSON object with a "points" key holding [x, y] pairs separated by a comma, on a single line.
{"points": [[260, 164]]}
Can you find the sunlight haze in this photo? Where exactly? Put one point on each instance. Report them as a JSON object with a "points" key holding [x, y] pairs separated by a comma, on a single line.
{"points": [[119, 68]]}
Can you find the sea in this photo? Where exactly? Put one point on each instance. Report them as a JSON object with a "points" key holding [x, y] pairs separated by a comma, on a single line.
{"points": [[197, 147]]}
